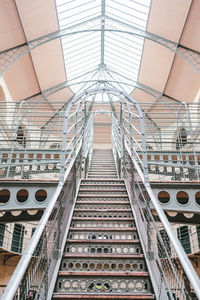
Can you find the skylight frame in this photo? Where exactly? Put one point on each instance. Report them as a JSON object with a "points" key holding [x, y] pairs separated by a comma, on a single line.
{"points": [[120, 50]]}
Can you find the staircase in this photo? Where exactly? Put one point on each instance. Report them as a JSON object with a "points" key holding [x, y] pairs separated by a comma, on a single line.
{"points": [[103, 258]]}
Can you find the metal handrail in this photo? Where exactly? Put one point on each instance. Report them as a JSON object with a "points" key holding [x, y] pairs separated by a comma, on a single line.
{"points": [[26, 267], [147, 241]]}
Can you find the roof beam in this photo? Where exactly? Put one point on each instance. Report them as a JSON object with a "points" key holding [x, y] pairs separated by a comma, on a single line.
{"points": [[102, 32], [8, 58]]}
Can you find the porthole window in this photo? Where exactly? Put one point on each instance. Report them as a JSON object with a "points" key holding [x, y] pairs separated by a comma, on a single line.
{"points": [[4, 196], [182, 197], [197, 198], [163, 197], [22, 195], [41, 195]]}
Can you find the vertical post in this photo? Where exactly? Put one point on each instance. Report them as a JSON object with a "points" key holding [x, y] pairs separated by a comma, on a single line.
{"points": [[75, 132], [122, 140], [130, 128], [144, 149], [191, 134], [64, 143]]}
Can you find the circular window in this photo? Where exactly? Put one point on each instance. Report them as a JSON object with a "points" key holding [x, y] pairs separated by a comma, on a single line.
{"points": [[182, 198], [163, 197], [22, 195], [41, 195], [197, 198], [4, 196]]}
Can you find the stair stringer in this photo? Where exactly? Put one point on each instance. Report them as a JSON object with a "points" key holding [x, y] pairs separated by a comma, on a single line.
{"points": [[154, 272]]}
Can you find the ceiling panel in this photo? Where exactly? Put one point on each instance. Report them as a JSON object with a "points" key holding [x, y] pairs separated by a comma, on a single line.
{"points": [[167, 18], [48, 63], [155, 66], [183, 82], [11, 32], [21, 80], [190, 37], [38, 17]]}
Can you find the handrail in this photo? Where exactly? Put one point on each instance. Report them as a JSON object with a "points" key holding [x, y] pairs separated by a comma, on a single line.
{"points": [[43, 250], [173, 272], [189, 271]]}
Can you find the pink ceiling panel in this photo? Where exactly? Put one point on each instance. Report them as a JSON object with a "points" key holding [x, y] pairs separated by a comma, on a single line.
{"points": [[21, 80], [62, 95], [190, 37], [142, 97], [167, 18], [48, 63], [184, 82], [155, 66], [11, 32], [38, 17]]}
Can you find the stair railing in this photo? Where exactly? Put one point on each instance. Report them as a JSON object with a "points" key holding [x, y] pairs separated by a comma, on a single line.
{"points": [[172, 274], [35, 271]]}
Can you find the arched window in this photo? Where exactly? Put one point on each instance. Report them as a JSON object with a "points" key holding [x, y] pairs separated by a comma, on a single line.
{"points": [[181, 140], [21, 138]]}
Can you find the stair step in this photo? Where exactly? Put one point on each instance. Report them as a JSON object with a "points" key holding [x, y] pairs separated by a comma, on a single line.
{"points": [[103, 229], [99, 224], [104, 274], [103, 190], [104, 241], [103, 203], [101, 196], [93, 297], [102, 219], [102, 210], [103, 186], [97, 255], [105, 181]]}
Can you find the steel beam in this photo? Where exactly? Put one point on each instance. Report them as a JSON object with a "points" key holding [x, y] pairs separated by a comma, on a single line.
{"points": [[9, 57]]}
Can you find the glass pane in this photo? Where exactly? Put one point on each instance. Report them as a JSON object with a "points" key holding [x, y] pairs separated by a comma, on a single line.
{"points": [[18, 237], [183, 236], [2, 233]]}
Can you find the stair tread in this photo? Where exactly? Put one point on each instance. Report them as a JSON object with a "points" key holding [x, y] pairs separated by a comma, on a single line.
{"points": [[103, 203], [101, 210], [103, 196], [102, 273], [93, 184], [102, 229], [102, 190], [104, 241], [102, 219], [95, 296], [97, 255]]}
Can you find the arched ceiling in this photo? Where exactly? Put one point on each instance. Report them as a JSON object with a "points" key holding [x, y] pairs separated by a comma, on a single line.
{"points": [[100, 43]]}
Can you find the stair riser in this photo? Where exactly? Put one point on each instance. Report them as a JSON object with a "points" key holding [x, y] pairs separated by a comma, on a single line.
{"points": [[104, 285], [103, 265]]}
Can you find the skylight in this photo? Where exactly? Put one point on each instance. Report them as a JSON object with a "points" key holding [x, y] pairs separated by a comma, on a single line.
{"points": [[98, 49]]}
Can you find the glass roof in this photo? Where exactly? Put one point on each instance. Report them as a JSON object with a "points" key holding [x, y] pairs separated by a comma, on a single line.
{"points": [[98, 48]]}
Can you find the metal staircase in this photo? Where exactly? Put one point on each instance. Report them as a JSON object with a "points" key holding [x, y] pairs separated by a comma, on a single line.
{"points": [[101, 236], [103, 258]]}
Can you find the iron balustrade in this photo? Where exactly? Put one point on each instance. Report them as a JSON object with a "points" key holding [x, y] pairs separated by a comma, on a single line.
{"points": [[36, 269], [171, 272]]}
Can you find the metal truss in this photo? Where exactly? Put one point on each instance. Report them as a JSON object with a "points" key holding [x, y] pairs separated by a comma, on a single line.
{"points": [[10, 56]]}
